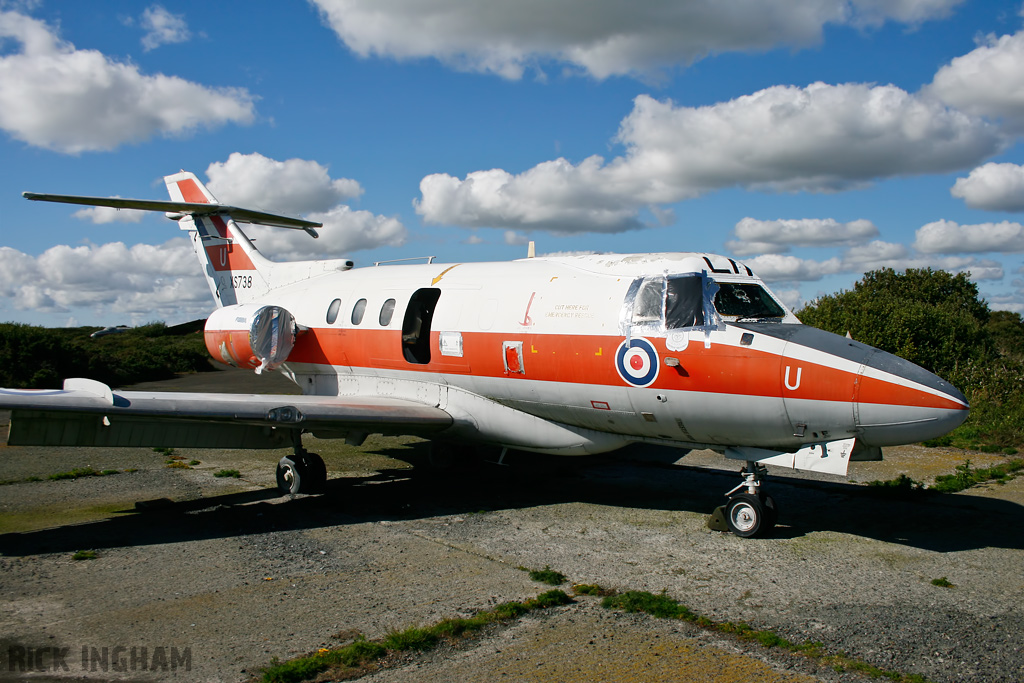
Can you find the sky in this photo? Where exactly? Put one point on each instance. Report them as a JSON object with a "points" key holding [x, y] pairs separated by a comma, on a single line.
{"points": [[814, 140]]}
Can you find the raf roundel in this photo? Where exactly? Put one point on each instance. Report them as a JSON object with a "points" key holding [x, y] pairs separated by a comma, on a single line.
{"points": [[637, 362]]}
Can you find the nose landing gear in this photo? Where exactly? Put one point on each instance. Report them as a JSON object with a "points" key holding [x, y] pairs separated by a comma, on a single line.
{"points": [[750, 511]]}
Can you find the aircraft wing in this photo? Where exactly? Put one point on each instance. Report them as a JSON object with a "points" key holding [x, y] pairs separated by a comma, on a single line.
{"points": [[89, 413]]}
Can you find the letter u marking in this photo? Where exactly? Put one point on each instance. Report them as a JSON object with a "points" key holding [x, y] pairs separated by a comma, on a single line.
{"points": [[224, 257], [799, 371]]}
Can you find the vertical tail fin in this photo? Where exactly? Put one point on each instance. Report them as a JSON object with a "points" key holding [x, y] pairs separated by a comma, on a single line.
{"points": [[235, 270]]}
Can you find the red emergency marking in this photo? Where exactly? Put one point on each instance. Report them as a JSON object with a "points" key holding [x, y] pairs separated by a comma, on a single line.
{"points": [[600, 405]]}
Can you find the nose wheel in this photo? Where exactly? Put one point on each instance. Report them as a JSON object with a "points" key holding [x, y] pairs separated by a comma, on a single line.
{"points": [[750, 511]]}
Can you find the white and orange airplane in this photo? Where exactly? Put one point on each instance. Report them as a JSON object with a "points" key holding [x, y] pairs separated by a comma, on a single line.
{"points": [[561, 355]]}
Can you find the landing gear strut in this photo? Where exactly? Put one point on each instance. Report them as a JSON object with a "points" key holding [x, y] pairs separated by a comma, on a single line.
{"points": [[301, 472], [750, 511]]}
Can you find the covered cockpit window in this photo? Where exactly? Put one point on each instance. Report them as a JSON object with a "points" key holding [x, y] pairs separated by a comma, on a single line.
{"points": [[648, 305], [746, 300], [684, 303], [672, 303]]}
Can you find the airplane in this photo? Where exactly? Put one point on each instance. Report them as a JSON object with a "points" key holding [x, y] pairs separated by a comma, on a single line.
{"points": [[560, 355]]}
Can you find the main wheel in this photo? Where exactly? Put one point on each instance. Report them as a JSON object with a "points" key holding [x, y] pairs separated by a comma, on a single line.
{"points": [[291, 471], [305, 473], [745, 515]]}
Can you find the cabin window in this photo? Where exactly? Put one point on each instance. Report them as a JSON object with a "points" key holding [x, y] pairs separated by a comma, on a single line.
{"points": [[357, 311], [416, 326], [386, 312], [332, 311], [746, 300]]}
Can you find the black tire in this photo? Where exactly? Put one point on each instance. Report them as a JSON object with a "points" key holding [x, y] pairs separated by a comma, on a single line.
{"points": [[745, 515], [316, 473], [771, 512]]}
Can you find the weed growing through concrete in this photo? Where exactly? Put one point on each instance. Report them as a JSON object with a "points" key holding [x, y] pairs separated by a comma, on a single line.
{"points": [[942, 583], [362, 655], [547, 575], [228, 473], [664, 607], [84, 555], [79, 472]]}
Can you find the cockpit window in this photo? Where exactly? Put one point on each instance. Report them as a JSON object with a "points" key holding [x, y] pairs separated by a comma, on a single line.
{"points": [[746, 300], [684, 303], [648, 305]]}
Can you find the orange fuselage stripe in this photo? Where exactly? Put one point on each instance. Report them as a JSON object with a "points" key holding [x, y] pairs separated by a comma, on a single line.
{"points": [[582, 359]]}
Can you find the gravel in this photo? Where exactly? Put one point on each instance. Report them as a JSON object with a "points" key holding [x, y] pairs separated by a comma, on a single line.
{"points": [[237, 575]]}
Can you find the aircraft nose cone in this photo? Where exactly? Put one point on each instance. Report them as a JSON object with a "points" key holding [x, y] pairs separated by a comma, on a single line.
{"points": [[899, 402]]}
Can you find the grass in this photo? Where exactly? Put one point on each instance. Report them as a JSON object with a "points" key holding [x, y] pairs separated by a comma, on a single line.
{"points": [[547, 575], [178, 465], [963, 477], [943, 583], [665, 607], [76, 473], [84, 555], [228, 473], [362, 655]]}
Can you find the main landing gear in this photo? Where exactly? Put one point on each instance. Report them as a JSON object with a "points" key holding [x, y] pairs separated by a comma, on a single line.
{"points": [[301, 472], [750, 511]]}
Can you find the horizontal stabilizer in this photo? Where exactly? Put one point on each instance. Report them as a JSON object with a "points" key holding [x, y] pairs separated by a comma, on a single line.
{"points": [[195, 209]]}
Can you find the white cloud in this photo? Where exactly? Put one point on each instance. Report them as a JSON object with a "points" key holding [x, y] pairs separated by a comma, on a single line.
{"points": [[875, 12], [473, 239], [68, 100], [599, 37], [755, 236], [105, 214], [513, 238], [782, 139], [988, 81], [780, 268], [786, 268], [875, 253], [554, 195], [145, 282], [992, 187], [301, 187], [344, 231], [948, 237], [162, 27], [293, 187]]}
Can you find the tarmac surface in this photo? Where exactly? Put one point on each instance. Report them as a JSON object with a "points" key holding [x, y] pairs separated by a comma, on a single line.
{"points": [[223, 575]]}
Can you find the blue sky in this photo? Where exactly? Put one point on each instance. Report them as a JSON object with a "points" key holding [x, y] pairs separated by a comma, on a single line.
{"points": [[812, 139]]}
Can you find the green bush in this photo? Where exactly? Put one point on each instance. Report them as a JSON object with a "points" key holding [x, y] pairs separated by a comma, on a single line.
{"points": [[939, 322]]}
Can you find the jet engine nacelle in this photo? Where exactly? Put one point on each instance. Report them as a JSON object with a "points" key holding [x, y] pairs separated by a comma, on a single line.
{"points": [[254, 336]]}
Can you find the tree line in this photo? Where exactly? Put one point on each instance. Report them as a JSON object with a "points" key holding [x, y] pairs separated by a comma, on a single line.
{"points": [[41, 358]]}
